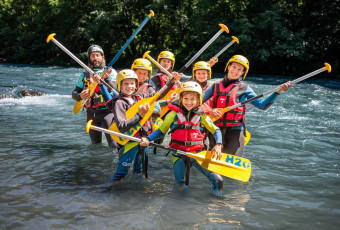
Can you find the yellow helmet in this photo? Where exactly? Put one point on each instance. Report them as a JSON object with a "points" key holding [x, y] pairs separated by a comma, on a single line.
{"points": [[167, 55], [201, 65], [125, 74], [241, 60], [191, 86], [142, 63]]}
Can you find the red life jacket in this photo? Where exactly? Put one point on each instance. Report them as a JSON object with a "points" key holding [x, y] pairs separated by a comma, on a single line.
{"points": [[97, 101], [164, 79], [146, 129], [143, 88], [227, 97], [186, 135]]}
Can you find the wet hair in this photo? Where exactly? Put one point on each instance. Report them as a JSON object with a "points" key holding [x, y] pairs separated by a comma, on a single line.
{"points": [[190, 92]]}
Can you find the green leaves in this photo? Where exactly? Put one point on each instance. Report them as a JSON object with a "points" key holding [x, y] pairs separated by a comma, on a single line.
{"points": [[274, 34]]}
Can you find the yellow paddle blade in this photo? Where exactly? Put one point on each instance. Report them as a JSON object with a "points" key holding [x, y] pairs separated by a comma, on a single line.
{"points": [[131, 112], [92, 87], [165, 109], [231, 166], [77, 107], [129, 146], [132, 131], [247, 138], [157, 123], [223, 111], [168, 95]]}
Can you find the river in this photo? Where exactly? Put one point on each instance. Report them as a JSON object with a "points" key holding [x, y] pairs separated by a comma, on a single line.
{"points": [[52, 177]]}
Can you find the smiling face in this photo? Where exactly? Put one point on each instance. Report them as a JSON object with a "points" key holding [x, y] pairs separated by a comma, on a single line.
{"points": [[128, 86], [201, 75], [235, 71], [166, 63], [190, 100], [96, 60], [142, 74]]}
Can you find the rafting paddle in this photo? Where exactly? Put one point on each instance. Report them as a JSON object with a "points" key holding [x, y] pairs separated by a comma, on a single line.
{"points": [[132, 111], [80, 104], [231, 166], [326, 67]]}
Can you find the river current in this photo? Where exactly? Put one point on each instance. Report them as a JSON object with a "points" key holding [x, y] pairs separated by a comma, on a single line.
{"points": [[52, 177]]}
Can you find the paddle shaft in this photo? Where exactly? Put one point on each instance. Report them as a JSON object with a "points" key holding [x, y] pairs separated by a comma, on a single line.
{"points": [[80, 63], [146, 54], [89, 126], [122, 50], [327, 67], [131, 38], [135, 139], [72, 56], [226, 47], [224, 28]]}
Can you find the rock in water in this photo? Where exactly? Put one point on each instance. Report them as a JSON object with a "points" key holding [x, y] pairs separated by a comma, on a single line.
{"points": [[25, 93]]}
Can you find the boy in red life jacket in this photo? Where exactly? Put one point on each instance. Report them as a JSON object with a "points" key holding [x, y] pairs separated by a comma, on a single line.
{"points": [[96, 107], [186, 120], [231, 91]]}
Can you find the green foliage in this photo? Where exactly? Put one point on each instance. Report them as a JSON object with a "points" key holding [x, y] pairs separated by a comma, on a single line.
{"points": [[277, 36]]}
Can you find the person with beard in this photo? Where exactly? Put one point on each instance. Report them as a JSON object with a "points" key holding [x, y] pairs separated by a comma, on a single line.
{"points": [[96, 107], [186, 121], [228, 92]]}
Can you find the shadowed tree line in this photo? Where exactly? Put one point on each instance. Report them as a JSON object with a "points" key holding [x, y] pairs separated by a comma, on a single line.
{"points": [[277, 36]]}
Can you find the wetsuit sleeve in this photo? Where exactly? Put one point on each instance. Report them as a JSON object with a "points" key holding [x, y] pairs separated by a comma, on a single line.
{"points": [[119, 111], [162, 103], [218, 136], [208, 93], [78, 89], [260, 103], [157, 110], [168, 120], [76, 93], [207, 122]]}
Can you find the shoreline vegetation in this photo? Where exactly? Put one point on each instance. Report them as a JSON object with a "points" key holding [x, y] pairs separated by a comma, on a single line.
{"points": [[325, 75], [283, 37]]}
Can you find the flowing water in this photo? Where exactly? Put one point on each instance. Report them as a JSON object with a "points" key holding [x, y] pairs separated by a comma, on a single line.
{"points": [[51, 177]]}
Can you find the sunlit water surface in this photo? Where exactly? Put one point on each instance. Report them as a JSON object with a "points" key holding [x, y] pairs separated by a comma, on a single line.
{"points": [[51, 177]]}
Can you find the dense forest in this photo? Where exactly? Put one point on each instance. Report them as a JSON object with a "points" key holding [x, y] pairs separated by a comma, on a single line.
{"points": [[284, 37]]}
